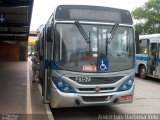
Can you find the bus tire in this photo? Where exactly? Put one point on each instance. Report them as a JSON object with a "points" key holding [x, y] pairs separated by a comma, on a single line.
{"points": [[142, 72]]}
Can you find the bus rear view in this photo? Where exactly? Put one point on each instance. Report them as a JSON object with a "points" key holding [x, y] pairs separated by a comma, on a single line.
{"points": [[90, 53]]}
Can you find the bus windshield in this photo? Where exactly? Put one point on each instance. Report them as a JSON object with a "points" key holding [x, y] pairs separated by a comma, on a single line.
{"points": [[73, 52]]}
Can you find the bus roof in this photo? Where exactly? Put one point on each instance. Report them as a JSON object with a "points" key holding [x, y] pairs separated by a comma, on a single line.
{"points": [[93, 13], [149, 36], [153, 38]]}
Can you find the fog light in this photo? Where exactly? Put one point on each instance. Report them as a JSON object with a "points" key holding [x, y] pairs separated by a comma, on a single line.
{"points": [[125, 87], [130, 82], [66, 89], [60, 84]]}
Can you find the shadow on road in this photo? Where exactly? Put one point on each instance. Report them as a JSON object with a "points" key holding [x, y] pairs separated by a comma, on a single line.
{"points": [[85, 113], [149, 79]]}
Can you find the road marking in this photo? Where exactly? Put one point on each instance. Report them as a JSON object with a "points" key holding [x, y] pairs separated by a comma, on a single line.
{"points": [[48, 111], [29, 104]]}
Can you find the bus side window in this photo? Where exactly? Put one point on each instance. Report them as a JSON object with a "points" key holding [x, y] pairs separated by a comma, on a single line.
{"points": [[143, 46]]}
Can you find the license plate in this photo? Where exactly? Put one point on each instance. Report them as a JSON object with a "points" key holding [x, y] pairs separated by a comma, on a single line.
{"points": [[83, 79]]}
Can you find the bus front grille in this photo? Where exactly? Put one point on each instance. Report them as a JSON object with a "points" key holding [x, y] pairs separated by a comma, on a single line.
{"points": [[93, 89]]}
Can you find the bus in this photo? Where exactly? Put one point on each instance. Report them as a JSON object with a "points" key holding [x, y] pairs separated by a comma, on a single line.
{"points": [[148, 56], [87, 56]]}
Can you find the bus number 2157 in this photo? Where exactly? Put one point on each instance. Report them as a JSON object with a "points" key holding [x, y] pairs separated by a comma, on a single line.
{"points": [[83, 79]]}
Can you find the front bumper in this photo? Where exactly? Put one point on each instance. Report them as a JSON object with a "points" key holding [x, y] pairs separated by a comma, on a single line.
{"points": [[60, 99]]}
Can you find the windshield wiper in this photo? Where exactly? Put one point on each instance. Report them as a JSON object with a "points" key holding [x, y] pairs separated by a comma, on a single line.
{"points": [[112, 33], [82, 31]]}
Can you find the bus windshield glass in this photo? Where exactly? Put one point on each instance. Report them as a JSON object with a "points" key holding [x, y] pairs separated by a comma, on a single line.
{"points": [[72, 52]]}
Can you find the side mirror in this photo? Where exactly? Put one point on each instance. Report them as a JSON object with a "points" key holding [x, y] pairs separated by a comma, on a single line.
{"points": [[49, 39]]}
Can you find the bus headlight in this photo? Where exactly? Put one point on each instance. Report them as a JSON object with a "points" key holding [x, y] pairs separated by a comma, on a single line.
{"points": [[66, 89], [60, 84], [63, 86], [126, 85]]}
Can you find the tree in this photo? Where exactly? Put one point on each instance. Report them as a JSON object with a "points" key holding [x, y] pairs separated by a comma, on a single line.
{"points": [[148, 17]]}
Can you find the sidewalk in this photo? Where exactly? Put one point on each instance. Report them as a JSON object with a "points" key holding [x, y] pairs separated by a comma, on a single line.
{"points": [[18, 95]]}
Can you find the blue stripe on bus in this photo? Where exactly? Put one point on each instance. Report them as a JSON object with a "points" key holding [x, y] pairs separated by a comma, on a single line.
{"points": [[142, 58], [54, 66], [145, 58], [158, 59]]}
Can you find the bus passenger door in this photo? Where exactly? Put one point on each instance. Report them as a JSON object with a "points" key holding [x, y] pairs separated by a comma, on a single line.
{"points": [[47, 68], [158, 60], [152, 64]]}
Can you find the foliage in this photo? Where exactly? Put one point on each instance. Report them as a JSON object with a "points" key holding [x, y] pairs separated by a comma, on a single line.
{"points": [[148, 17]]}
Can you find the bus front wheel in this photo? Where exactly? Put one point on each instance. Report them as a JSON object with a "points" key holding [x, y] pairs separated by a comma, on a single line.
{"points": [[142, 72]]}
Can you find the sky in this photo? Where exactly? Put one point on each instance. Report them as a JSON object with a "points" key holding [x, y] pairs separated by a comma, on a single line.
{"points": [[42, 9]]}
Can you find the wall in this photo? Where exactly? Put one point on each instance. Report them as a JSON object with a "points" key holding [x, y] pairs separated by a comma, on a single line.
{"points": [[9, 52]]}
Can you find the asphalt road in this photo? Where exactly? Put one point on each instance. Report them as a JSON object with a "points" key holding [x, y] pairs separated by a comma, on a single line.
{"points": [[146, 101]]}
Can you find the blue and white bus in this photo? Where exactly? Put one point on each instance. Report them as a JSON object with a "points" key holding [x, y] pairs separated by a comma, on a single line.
{"points": [[148, 57], [87, 56]]}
